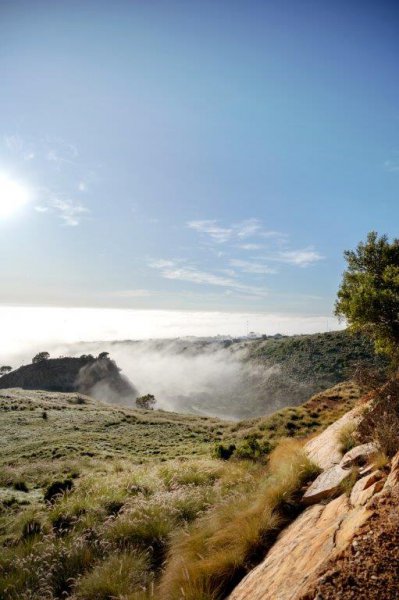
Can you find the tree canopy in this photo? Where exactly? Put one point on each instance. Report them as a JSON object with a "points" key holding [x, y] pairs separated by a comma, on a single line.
{"points": [[148, 402], [368, 297], [40, 357]]}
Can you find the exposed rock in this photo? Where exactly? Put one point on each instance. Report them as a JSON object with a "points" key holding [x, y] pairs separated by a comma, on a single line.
{"points": [[324, 450], [292, 564], [392, 482], [366, 487], [326, 485], [358, 455]]}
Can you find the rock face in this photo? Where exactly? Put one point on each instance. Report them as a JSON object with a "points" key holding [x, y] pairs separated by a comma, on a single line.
{"points": [[293, 562], [99, 378], [324, 449], [293, 566]]}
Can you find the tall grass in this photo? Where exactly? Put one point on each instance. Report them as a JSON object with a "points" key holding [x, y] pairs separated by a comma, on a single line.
{"points": [[207, 560]]}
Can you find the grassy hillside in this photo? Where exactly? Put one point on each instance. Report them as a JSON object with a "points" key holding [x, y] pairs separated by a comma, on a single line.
{"points": [[321, 359], [128, 482]]}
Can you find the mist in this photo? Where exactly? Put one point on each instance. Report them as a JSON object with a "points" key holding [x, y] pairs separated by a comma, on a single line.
{"points": [[185, 375], [210, 378]]}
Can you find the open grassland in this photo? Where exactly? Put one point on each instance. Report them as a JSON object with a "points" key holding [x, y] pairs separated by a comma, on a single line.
{"points": [[100, 502]]}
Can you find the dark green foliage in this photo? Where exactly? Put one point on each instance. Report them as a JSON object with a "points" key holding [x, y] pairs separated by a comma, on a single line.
{"points": [[223, 452], [147, 402], [369, 294], [4, 370], [40, 357], [253, 449]]}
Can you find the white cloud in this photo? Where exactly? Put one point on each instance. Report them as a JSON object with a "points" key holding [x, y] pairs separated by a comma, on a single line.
{"points": [[216, 233], [300, 258], [250, 246], [69, 211], [240, 231], [248, 228], [255, 268], [171, 270]]}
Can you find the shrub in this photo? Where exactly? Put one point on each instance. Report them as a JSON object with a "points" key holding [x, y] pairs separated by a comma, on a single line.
{"points": [[252, 449], [380, 422], [223, 452]]}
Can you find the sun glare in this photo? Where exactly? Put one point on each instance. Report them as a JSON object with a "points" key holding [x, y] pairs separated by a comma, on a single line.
{"points": [[13, 196]]}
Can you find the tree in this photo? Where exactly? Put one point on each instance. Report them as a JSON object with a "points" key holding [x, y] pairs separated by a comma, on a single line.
{"points": [[4, 370], [103, 355], [148, 402], [369, 293], [40, 357]]}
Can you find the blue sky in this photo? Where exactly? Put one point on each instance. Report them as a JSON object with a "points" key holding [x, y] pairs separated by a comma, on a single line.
{"points": [[195, 155]]}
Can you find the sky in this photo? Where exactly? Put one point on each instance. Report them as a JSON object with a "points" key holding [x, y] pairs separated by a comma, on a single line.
{"points": [[193, 156]]}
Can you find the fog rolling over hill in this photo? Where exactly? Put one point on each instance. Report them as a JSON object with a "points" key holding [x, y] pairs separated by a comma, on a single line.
{"points": [[234, 378]]}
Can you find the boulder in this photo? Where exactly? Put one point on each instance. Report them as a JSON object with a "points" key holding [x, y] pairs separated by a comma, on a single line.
{"points": [[358, 456], [324, 450], [326, 485]]}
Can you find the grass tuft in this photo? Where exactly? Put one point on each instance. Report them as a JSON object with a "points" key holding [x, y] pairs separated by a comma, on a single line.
{"points": [[211, 557]]}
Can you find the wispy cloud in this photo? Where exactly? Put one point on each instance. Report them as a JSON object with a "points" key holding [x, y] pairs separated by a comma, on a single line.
{"points": [[247, 228], [218, 234], [18, 145], [255, 268], [236, 232], [191, 274], [300, 258], [250, 246], [69, 211]]}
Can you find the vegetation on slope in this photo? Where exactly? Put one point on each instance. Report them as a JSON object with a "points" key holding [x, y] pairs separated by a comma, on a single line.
{"points": [[91, 496]]}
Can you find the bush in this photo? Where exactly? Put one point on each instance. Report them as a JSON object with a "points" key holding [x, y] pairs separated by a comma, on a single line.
{"points": [[381, 421], [223, 452], [252, 449]]}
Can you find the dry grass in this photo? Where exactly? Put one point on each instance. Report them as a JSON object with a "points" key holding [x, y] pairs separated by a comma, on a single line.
{"points": [[347, 437], [207, 560]]}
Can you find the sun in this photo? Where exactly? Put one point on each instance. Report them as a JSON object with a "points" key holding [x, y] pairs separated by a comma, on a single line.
{"points": [[13, 196]]}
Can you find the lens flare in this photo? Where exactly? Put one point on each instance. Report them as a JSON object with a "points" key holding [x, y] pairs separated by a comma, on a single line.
{"points": [[13, 196]]}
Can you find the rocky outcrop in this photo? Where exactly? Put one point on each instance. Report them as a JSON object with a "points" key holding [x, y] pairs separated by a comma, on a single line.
{"points": [[99, 378], [294, 565], [324, 450], [329, 483]]}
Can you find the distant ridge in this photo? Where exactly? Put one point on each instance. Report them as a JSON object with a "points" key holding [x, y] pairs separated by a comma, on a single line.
{"points": [[97, 377]]}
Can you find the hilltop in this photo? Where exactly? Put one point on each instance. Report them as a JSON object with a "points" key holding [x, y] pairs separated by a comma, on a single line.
{"points": [[99, 377]]}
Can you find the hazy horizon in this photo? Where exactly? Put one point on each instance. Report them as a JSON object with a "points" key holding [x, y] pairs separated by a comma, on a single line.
{"points": [[23, 332]]}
